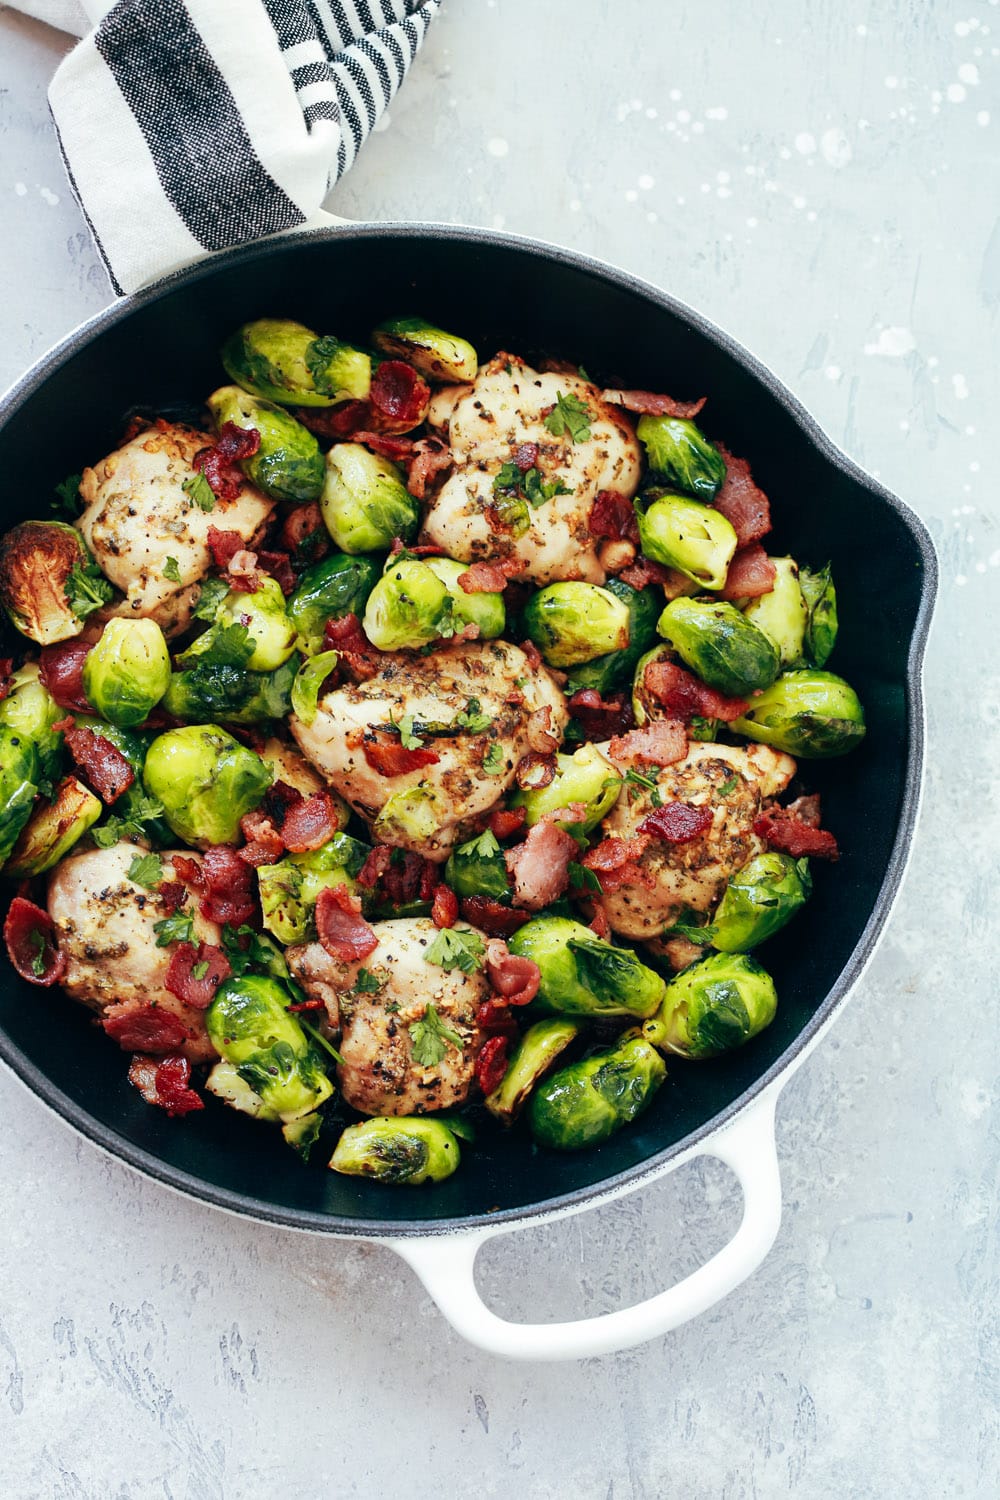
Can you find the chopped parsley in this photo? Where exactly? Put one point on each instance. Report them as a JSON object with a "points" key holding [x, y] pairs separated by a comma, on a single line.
{"points": [[146, 870], [199, 971], [391, 1007], [171, 571], [177, 928], [495, 761], [408, 737], [200, 491], [538, 490], [366, 983], [508, 478], [246, 949], [484, 847], [728, 786], [472, 718], [457, 948], [569, 415], [582, 879], [67, 496], [429, 1038], [701, 936], [230, 646], [213, 591], [87, 589], [142, 810]]}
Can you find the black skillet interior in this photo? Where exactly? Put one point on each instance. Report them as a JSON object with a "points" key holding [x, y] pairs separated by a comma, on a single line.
{"points": [[500, 294]]}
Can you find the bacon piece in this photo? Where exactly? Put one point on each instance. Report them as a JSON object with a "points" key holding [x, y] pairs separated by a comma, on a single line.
{"points": [[243, 575], [431, 457], [751, 574], [398, 393], [483, 578], [787, 832], [264, 844], [684, 695], [491, 1063], [600, 925], [535, 771], [600, 718], [172, 894], [358, 657], [616, 863], [386, 754], [388, 444], [515, 980], [278, 565], [645, 403], [807, 810], [227, 885], [30, 938], [101, 763], [146, 1027], [224, 546], [165, 1083], [504, 822], [444, 912], [496, 1015], [539, 867], [400, 875], [541, 736], [335, 423], [61, 671], [416, 549], [220, 463], [659, 743], [492, 917], [742, 502], [181, 980], [6, 667], [278, 799], [188, 870], [300, 523], [340, 926], [612, 517], [677, 822], [310, 824], [643, 572]]}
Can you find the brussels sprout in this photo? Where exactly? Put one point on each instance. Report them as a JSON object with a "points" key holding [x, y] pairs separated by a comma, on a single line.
{"points": [[589, 1101], [572, 623], [814, 715], [605, 673], [53, 828], [759, 900], [714, 1006], [406, 1148], [309, 682], [409, 607], [270, 634], [230, 693], [31, 710], [19, 774], [225, 1083], [250, 1027], [721, 645], [288, 465], [782, 614], [687, 535], [288, 889], [537, 1050], [680, 454], [49, 583], [478, 868], [583, 976], [646, 707], [128, 671], [337, 586], [438, 355], [365, 503], [418, 813], [205, 781], [485, 610], [821, 602], [585, 776], [286, 362]]}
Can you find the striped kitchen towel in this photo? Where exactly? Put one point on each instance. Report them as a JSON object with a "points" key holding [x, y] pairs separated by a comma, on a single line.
{"points": [[189, 126]]}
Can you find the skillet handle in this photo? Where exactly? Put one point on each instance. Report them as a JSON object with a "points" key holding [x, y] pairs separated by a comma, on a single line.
{"points": [[445, 1264]]}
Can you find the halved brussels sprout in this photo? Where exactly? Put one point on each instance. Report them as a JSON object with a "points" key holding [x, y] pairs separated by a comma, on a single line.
{"points": [[53, 828], [646, 707], [814, 715], [409, 607], [288, 465], [365, 503], [589, 1101], [128, 671], [680, 454], [572, 623], [19, 773], [409, 816], [537, 1050], [605, 673], [404, 1148], [581, 975], [759, 900], [721, 645], [585, 776], [821, 602], [714, 1006], [49, 583], [337, 586], [232, 694], [485, 610], [288, 889], [225, 1083], [263, 616], [438, 355], [687, 535], [249, 1026], [478, 868], [30, 709], [286, 362], [205, 782], [782, 614]]}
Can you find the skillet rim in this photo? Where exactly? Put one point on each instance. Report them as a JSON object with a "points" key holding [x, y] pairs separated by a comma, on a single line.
{"points": [[256, 1208]]}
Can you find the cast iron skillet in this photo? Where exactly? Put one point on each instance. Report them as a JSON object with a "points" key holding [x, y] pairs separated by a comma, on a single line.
{"points": [[161, 347]]}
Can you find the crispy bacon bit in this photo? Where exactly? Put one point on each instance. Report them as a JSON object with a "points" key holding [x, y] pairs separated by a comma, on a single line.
{"points": [[310, 824], [677, 822], [751, 573], [342, 929], [101, 763], [400, 875], [504, 822], [600, 925], [444, 912], [278, 799], [600, 718], [616, 863], [186, 978], [742, 503], [787, 832], [188, 870], [541, 735], [398, 393], [660, 743], [539, 867], [165, 1083], [224, 546], [358, 657], [430, 457], [29, 935], [496, 1016], [227, 885], [386, 754], [515, 980], [491, 1063], [492, 917], [172, 894], [6, 667], [278, 565], [388, 444], [61, 671], [684, 695], [645, 403], [306, 1005], [643, 572], [243, 576], [612, 518], [220, 463], [301, 523], [334, 422], [145, 1027], [535, 771], [526, 456], [264, 844], [807, 810], [418, 549], [483, 578]]}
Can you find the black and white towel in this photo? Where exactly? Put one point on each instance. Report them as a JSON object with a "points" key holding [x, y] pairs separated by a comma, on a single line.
{"points": [[189, 126]]}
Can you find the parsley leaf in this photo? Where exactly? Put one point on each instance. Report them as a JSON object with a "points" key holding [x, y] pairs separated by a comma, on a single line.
{"points": [[472, 718], [67, 501], [231, 647], [495, 760], [366, 983], [147, 870], [637, 782], [200, 491], [198, 971], [511, 483], [508, 477], [213, 591], [582, 879], [171, 571], [728, 786], [571, 415], [177, 928], [87, 589], [701, 936], [539, 490], [142, 810], [456, 948], [429, 1037], [408, 737], [246, 949], [391, 1007], [484, 847]]}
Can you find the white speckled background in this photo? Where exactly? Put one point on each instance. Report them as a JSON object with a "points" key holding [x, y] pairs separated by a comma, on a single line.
{"points": [[820, 178]]}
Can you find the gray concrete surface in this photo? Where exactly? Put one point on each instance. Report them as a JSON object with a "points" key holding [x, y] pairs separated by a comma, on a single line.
{"points": [[821, 179]]}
